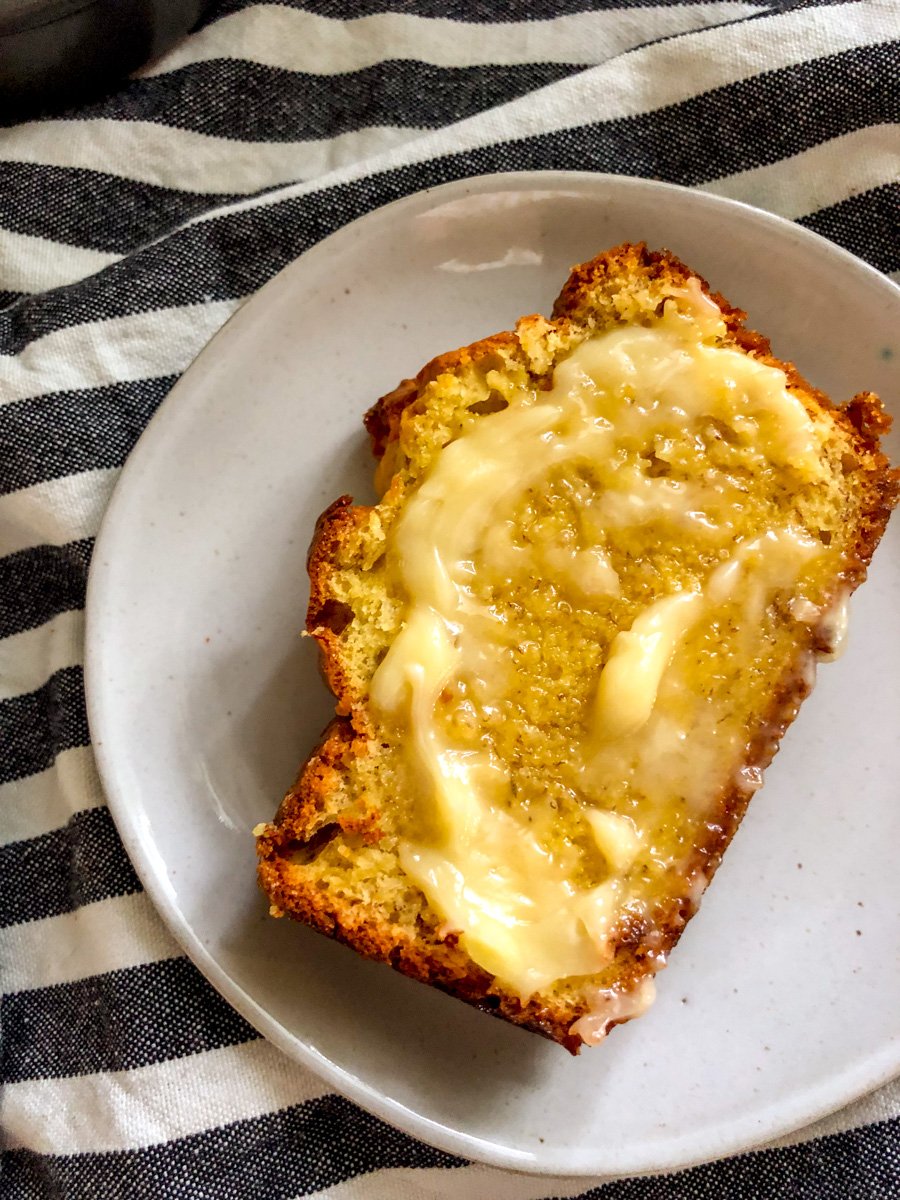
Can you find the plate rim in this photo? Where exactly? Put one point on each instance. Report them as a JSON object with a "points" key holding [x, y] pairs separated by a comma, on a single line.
{"points": [[741, 1134]]}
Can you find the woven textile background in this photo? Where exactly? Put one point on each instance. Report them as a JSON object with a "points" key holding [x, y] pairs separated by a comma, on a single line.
{"points": [[130, 229]]}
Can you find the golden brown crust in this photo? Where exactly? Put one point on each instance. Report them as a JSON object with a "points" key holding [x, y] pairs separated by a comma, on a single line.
{"points": [[382, 421], [305, 814], [441, 963], [383, 418], [325, 616]]}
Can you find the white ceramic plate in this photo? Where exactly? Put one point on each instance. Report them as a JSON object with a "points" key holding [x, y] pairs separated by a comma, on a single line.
{"points": [[780, 1004]]}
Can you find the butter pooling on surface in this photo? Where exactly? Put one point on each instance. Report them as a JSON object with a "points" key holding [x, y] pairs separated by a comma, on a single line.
{"points": [[530, 908]]}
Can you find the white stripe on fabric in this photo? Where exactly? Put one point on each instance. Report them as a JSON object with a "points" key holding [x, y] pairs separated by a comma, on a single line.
{"points": [[34, 264], [56, 512], [28, 659], [473, 1182], [293, 40], [638, 82], [821, 176], [122, 1110], [144, 345], [44, 802], [150, 152], [108, 935]]}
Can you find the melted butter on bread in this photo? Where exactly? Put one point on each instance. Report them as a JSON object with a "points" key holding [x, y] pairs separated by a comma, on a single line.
{"points": [[616, 427]]}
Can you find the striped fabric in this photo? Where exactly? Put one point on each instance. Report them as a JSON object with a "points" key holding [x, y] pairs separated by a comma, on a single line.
{"points": [[130, 229]]}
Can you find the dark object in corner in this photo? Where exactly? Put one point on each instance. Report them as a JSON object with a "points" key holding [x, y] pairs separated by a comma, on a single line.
{"points": [[57, 52]]}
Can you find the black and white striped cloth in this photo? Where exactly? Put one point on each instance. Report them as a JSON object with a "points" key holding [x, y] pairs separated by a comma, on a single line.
{"points": [[130, 229]]}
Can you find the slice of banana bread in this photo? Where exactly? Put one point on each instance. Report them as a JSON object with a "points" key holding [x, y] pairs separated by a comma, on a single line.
{"points": [[609, 550]]}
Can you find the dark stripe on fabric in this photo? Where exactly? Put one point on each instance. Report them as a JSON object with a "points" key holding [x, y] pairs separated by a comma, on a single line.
{"points": [[466, 11], [868, 225], [38, 725], [7, 298], [316, 1145], [294, 1152], [93, 209], [116, 1022], [62, 433], [241, 100], [39, 583], [80, 863], [234, 254]]}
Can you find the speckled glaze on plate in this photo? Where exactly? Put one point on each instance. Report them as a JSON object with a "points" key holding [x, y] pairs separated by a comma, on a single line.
{"points": [[780, 1002]]}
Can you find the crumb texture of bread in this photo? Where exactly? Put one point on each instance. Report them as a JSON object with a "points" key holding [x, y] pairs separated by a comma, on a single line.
{"points": [[610, 549]]}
